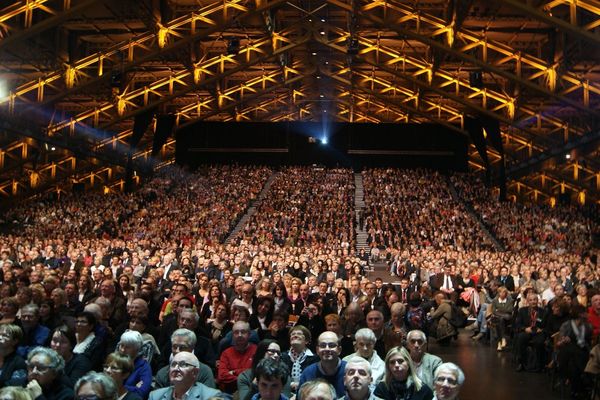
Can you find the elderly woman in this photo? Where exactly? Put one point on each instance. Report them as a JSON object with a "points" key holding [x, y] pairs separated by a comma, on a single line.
{"points": [[364, 345], [401, 380], [44, 375], [299, 356], [119, 366], [448, 380], [395, 331], [140, 380], [76, 365], [96, 386], [13, 370]]}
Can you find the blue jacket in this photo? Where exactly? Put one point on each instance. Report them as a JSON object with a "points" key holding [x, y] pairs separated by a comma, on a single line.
{"points": [[38, 337], [313, 372], [140, 380]]}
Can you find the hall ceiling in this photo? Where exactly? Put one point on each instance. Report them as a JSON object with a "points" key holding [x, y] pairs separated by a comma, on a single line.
{"points": [[75, 73]]}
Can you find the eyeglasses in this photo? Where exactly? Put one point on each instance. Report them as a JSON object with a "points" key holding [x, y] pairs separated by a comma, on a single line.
{"points": [[112, 368], [40, 368], [182, 365], [450, 381], [330, 345]]}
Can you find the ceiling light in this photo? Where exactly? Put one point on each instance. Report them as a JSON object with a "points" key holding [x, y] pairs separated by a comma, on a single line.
{"points": [[314, 53], [568, 156], [53, 148], [322, 32], [322, 19], [321, 95]]}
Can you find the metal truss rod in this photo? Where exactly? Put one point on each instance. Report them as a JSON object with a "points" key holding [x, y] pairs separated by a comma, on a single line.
{"points": [[484, 65], [569, 27], [29, 5]]}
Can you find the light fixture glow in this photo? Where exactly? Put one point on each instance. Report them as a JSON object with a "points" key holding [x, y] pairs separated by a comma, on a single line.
{"points": [[324, 140], [568, 156], [53, 148]]}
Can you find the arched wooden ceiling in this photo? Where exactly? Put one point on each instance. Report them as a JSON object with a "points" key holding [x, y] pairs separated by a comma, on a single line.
{"points": [[75, 73]]}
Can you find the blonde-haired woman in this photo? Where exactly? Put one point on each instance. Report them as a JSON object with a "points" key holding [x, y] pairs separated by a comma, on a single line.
{"points": [[401, 380]]}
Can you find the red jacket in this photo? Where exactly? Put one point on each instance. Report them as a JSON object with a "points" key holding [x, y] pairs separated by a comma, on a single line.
{"points": [[231, 364], [594, 320]]}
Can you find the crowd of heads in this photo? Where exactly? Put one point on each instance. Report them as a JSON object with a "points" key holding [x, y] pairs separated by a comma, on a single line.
{"points": [[111, 280]]}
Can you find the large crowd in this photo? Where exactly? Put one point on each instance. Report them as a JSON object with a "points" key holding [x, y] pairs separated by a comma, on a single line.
{"points": [[539, 228], [411, 209], [141, 289]]}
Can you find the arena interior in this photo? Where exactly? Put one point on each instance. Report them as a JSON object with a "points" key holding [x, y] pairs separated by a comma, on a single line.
{"points": [[198, 196]]}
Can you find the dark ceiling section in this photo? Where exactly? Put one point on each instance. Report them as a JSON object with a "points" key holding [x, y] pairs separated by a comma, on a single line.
{"points": [[75, 74]]}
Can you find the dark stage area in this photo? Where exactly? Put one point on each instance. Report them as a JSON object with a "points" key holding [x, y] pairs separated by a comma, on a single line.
{"points": [[330, 144]]}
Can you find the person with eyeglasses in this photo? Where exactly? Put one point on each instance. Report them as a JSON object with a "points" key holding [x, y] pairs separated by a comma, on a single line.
{"points": [[183, 373], [329, 367], [183, 340], [119, 367], [45, 379], [237, 358], [299, 356], [92, 346], [247, 380], [96, 386], [34, 333], [448, 380]]}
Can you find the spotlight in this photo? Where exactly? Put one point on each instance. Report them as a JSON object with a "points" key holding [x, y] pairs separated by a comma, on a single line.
{"points": [[314, 53], [568, 156], [324, 140], [322, 32], [321, 95], [53, 148]]}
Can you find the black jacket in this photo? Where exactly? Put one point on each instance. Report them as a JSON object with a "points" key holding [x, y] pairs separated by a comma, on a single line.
{"points": [[14, 371]]}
